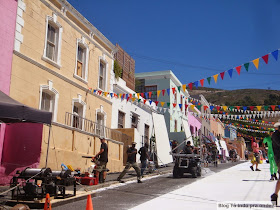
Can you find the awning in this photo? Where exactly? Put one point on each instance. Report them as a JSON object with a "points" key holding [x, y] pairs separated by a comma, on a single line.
{"points": [[12, 111]]}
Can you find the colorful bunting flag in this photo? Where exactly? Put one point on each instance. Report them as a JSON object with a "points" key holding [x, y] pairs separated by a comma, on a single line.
{"points": [[222, 74], [256, 63], [184, 87], [209, 80], [246, 65], [162, 103], [275, 54], [215, 77], [190, 86], [201, 82], [230, 72], [238, 69], [265, 58]]}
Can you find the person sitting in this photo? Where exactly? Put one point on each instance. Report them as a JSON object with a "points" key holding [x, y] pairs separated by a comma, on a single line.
{"points": [[188, 149]]}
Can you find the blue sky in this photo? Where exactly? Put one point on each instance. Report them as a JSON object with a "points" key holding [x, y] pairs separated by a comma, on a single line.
{"points": [[194, 39]]}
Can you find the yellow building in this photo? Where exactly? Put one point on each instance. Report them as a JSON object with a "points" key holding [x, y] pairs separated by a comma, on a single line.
{"points": [[58, 56]]}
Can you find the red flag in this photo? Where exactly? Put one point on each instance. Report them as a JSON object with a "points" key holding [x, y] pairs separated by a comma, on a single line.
{"points": [[156, 102], [252, 108], [265, 58], [142, 94], [218, 108], [237, 107], [173, 90], [190, 86], [201, 82], [130, 95], [205, 107], [222, 74], [238, 69], [163, 91], [273, 107], [150, 94], [186, 105], [174, 105], [145, 101]]}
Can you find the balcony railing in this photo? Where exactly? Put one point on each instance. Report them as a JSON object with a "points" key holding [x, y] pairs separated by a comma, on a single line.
{"points": [[89, 126]]}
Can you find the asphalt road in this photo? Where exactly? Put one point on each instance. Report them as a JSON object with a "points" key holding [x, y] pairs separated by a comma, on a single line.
{"points": [[132, 194]]}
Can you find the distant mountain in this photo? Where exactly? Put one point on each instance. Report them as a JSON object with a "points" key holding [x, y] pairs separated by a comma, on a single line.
{"points": [[241, 97]]}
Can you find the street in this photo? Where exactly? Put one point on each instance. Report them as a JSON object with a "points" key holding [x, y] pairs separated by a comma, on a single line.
{"points": [[132, 194]]}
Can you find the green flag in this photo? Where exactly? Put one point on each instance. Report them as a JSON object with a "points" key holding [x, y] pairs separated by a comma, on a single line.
{"points": [[168, 104], [265, 108], [209, 80], [246, 65], [179, 88]]}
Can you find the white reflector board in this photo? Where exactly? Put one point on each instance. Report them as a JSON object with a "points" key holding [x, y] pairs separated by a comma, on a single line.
{"points": [[187, 132], [224, 146], [162, 140]]}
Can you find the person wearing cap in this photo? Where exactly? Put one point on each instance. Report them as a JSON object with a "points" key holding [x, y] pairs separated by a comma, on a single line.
{"points": [[270, 154], [131, 162], [102, 157], [276, 150]]}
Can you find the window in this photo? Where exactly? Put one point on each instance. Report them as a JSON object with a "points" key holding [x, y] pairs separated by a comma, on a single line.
{"points": [[52, 41], [49, 99], [78, 113], [152, 89], [102, 73], [146, 133], [81, 70], [100, 124], [121, 119], [134, 120]]}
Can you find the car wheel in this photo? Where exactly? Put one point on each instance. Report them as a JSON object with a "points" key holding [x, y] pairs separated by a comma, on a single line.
{"points": [[194, 172]]}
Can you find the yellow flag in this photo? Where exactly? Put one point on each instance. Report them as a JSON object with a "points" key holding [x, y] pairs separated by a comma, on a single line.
{"points": [[105, 94], [259, 108], [256, 63], [192, 106], [133, 99], [184, 87], [162, 103], [224, 108], [120, 95], [158, 92], [138, 95], [215, 77]]}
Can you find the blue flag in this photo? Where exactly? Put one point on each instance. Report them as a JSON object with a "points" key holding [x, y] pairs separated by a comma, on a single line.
{"points": [[275, 54]]}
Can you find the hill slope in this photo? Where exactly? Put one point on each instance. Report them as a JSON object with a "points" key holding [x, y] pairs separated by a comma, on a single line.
{"points": [[242, 97]]}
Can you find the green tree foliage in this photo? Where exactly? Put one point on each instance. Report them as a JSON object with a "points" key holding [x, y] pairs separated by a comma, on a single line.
{"points": [[118, 70]]}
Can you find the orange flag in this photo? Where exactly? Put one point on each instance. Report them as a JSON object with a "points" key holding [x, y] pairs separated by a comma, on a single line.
{"points": [[215, 77], [256, 63]]}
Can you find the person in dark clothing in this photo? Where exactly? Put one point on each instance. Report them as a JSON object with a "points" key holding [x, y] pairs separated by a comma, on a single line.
{"points": [[188, 149], [131, 162], [276, 150], [143, 157], [102, 157]]}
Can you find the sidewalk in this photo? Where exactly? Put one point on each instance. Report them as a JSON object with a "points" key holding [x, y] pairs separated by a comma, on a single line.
{"points": [[237, 183]]}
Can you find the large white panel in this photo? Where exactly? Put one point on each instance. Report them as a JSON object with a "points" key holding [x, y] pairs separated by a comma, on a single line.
{"points": [[162, 140], [187, 131], [224, 146]]}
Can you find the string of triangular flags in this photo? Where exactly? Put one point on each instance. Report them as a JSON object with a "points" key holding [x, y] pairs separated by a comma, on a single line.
{"points": [[232, 117], [245, 126], [250, 130], [245, 109], [247, 136], [258, 122]]}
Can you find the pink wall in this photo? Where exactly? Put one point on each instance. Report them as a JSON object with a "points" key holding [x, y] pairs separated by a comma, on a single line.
{"points": [[21, 149], [8, 14], [194, 122]]}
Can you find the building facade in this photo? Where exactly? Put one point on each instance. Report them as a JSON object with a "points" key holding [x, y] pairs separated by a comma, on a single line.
{"points": [[59, 56], [176, 112]]}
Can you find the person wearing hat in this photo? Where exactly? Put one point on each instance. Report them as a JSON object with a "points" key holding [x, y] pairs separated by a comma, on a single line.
{"points": [[131, 162], [270, 154]]}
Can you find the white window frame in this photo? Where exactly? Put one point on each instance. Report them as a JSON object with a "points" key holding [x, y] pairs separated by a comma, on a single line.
{"points": [[52, 20], [82, 44], [102, 112], [51, 90], [80, 101], [104, 61]]}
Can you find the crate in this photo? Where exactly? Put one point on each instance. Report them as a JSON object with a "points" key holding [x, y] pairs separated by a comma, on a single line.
{"points": [[89, 181]]}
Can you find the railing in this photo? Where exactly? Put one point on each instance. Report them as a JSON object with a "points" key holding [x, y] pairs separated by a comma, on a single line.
{"points": [[89, 126]]}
